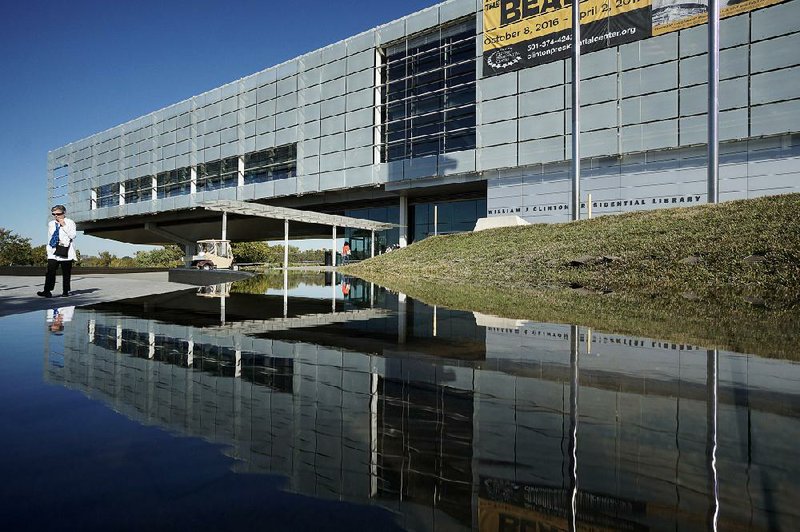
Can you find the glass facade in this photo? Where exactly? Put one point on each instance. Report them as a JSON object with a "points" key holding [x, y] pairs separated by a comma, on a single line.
{"points": [[445, 217], [139, 189], [429, 94], [174, 183], [260, 166], [270, 164], [360, 239], [108, 195], [218, 174]]}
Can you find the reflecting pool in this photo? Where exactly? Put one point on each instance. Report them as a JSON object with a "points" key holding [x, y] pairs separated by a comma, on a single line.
{"points": [[332, 403]]}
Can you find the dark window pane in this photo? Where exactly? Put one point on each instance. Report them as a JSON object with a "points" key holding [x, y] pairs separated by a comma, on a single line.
{"points": [[437, 72]]}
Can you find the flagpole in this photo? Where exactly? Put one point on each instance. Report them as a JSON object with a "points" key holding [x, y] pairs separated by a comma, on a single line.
{"points": [[576, 103], [713, 101]]}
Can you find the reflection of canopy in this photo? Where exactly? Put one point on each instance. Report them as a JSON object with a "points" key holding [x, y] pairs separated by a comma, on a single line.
{"points": [[252, 327]]}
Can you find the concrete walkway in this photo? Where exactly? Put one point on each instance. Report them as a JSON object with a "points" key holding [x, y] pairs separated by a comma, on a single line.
{"points": [[18, 293]]}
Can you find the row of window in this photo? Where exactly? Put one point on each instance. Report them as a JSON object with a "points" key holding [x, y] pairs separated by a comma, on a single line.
{"points": [[259, 167], [427, 107], [428, 85], [274, 372]]}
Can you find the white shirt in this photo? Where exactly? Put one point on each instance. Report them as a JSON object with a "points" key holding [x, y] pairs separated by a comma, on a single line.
{"points": [[65, 234], [65, 312]]}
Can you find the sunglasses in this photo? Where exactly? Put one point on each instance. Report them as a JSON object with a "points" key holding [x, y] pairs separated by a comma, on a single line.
{"points": [[57, 214]]}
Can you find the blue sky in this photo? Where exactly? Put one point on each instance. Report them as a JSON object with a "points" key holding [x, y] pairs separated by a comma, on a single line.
{"points": [[72, 69]]}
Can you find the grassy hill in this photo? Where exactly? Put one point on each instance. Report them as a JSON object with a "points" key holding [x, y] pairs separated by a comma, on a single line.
{"points": [[726, 275]]}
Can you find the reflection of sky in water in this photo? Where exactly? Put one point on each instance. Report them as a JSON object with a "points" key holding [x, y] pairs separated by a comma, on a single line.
{"points": [[309, 290], [446, 417]]}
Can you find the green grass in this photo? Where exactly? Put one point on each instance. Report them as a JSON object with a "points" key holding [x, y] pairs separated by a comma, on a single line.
{"points": [[644, 287]]}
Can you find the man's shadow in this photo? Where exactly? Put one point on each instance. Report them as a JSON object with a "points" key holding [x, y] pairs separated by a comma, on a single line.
{"points": [[84, 291]]}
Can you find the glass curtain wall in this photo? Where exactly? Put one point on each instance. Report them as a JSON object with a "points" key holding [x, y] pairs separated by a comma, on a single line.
{"points": [[218, 174], [174, 183], [445, 217], [139, 189], [108, 195], [361, 239], [270, 164], [428, 85]]}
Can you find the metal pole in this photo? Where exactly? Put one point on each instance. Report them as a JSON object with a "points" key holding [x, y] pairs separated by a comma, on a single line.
{"points": [[286, 244], [573, 426], [435, 220], [713, 101], [333, 249], [712, 402], [576, 104]]}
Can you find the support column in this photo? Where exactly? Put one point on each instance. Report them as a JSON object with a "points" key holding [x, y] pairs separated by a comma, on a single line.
{"points": [[224, 226], [403, 221], [240, 173], [401, 318], [333, 249], [373, 433], [193, 180], [188, 253], [372, 244], [285, 245], [285, 292]]}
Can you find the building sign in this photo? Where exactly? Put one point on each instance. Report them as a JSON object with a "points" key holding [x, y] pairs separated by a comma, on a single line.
{"points": [[524, 33]]}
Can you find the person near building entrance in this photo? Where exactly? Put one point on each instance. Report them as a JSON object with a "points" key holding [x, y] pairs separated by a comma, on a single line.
{"points": [[346, 252], [61, 233]]}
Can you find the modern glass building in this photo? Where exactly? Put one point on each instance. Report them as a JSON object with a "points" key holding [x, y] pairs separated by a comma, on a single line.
{"points": [[424, 122]]}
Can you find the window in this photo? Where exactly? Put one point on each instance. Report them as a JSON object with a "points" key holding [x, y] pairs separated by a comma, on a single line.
{"points": [[174, 183], [139, 189], [445, 217], [270, 164], [218, 174], [428, 87], [108, 195]]}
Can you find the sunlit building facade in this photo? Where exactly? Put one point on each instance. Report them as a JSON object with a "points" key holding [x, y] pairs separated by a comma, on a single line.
{"points": [[402, 123]]}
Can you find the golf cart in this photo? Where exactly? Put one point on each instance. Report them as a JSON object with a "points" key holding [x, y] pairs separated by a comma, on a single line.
{"points": [[213, 254]]}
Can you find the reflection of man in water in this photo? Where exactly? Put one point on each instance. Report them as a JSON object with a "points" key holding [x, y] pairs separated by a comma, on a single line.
{"points": [[57, 317]]}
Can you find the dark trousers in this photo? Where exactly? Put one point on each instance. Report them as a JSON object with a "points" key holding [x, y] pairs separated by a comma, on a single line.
{"points": [[50, 276]]}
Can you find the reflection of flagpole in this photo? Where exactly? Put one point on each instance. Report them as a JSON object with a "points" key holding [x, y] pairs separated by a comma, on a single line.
{"points": [[713, 101], [573, 426], [712, 400], [576, 105]]}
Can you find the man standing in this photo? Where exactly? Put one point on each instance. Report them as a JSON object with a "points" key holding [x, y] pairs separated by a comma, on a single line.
{"points": [[346, 252], [61, 231]]}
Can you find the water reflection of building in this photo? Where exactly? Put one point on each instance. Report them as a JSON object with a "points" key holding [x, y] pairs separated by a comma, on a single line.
{"points": [[453, 440]]}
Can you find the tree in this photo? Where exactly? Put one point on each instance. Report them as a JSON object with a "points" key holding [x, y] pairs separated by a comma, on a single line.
{"points": [[245, 252], [105, 258], [167, 257], [14, 249], [39, 255]]}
